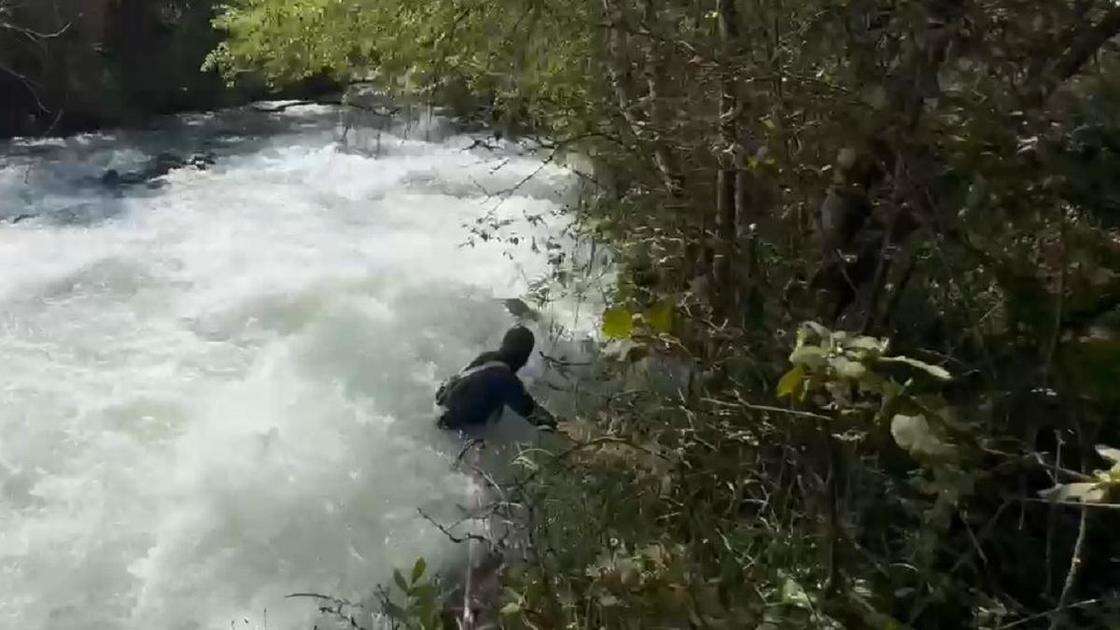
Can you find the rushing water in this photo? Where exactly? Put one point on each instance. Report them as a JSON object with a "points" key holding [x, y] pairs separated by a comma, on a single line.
{"points": [[215, 390]]}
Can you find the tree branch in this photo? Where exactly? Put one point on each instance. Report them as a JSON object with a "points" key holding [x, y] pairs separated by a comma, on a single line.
{"points": [[447, 532], [1081, 49], [33, 34], [28, 84]]}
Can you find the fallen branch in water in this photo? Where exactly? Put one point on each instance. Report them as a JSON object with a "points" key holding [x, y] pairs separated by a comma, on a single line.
{"points": [[283, 107], [339, 103], [564, 362], [330, 598], [336, 611], [447, 532]]}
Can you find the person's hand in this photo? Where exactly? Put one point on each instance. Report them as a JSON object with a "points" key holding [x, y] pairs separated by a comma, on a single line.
{"points": [[543, 420]]}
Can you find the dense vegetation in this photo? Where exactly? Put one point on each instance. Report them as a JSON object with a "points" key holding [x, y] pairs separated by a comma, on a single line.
{"points": [[939, 173], [74, 64]]}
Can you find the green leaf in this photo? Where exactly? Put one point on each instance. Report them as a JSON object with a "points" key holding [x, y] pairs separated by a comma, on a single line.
{"points": [[660, 317], [1109, 453], [847, 368], [1086, 492], [794, 594], [867, 343], [867, 347], [810, 356], [399, 579], [817, 329], [791, 381], [511, 608], [913, 434], [418, 570], [618, 323], [609, 601], [932, 370]]}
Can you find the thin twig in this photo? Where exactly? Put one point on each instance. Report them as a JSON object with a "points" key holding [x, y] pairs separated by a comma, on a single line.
{"points": [[792, 412], [1081, 604], [1105, 506], [608, 440], [337, 610], [330, 598], [1075, 564], [564, 362], [479, 442], [1052, 516], [446, 532], [28, 84], [36, 35]]}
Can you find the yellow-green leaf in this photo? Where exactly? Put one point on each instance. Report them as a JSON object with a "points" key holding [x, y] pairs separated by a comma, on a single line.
{"points": [[794, 594], [399, 579], [789, 383], [618, 323]]}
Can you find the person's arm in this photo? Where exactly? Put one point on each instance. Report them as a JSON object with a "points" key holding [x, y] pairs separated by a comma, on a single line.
{"points": [[520, 401]]}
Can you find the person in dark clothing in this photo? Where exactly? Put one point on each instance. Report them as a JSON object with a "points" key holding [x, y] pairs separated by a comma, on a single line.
{"points": [[488, 384]]}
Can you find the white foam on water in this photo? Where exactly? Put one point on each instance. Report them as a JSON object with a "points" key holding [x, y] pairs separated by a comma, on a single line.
{"points": [[221, 393]]}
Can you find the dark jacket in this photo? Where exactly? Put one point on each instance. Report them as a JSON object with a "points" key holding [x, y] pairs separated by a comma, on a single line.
{"points": [[489, 383]]}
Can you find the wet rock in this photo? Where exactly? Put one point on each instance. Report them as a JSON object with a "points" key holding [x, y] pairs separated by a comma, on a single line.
{"points": [[163, 164], [114, 179], [17, 218], [202, 161]]}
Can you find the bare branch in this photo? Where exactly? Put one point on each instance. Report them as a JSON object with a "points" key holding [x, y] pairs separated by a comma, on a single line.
{"points": [[28, 84], [1081, 49], [1081, 604], [447, 532], [33, 34]]}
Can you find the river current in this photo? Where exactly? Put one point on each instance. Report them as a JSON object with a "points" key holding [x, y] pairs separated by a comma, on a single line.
{"points": [[216, 376]]}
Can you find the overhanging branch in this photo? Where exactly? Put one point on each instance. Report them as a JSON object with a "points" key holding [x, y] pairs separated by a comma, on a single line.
{"points": [[1082, 48]]}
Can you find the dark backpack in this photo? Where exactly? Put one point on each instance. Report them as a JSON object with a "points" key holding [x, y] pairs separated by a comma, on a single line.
{"points": [[451, 385]]}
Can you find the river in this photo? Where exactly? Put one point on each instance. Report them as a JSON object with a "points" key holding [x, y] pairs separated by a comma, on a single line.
{"points": [[216, 386]]}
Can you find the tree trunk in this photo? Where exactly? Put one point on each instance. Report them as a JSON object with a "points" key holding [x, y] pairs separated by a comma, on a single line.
{"points": [[658, 126], [728, 156]]}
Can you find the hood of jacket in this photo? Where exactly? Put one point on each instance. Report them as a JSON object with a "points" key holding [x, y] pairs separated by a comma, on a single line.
{"points": [[517, 346]]}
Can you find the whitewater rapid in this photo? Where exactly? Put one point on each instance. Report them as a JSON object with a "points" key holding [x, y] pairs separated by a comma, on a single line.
{"points": [[217, 390]]}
